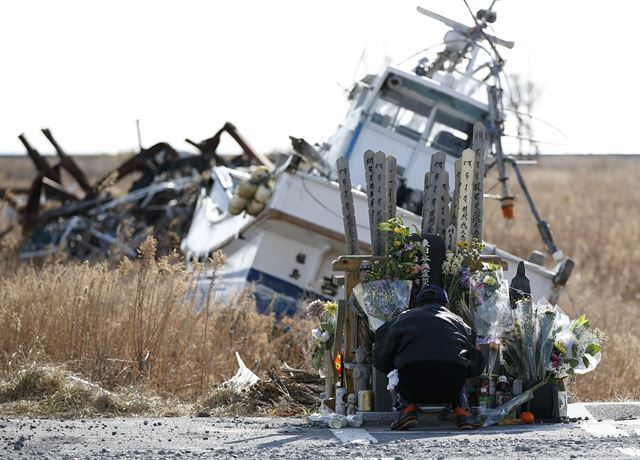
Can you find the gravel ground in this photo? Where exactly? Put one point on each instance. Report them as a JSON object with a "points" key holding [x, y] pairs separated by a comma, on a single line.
{"points": [[292, 438]]}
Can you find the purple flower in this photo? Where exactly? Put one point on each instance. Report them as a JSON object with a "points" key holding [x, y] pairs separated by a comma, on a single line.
{"points": [[315, 308], [465, 277], [408, 246]]}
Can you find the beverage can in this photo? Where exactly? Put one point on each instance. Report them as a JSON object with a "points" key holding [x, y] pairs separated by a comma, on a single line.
{"points": [[365, 400], [562, 403], [336, 422]]}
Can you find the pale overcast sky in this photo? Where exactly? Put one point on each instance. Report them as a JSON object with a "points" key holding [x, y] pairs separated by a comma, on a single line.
{"points": [[88, 69]]}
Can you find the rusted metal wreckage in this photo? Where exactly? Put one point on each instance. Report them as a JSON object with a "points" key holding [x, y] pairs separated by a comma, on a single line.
{"points": [[90, 221]]}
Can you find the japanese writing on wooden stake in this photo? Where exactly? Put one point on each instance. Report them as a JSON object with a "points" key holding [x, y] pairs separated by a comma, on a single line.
{"points": [[463, 225], [369, 175], [456, 192], [479, 147], [425, 201], [430, 208], [379, 201], [391, 167], [440, 190]]}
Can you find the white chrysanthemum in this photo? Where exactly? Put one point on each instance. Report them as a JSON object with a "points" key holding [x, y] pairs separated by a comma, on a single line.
{"points": [[567, 339]]}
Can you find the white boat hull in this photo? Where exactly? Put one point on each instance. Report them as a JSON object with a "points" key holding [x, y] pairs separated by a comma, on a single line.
{"points": [[287, 250]]}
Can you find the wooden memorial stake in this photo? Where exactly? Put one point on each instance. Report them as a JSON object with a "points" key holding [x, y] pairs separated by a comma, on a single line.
{"points": [[433, 192], [345, 319], [379, 203], [479, 147], [425, 206], [450, 238], [348, 212], [456, 192], [440, 190], [391, 174], [444, 214], [369, 175], [463, 224]]}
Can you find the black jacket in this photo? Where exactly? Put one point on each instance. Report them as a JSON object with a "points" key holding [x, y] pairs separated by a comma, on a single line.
{"points": [[427, 333]]}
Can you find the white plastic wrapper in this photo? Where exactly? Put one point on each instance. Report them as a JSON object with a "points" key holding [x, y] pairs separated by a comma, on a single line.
{"points": [[383, 300]]}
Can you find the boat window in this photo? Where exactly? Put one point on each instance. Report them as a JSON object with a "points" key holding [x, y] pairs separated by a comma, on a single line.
{"points": [[410, 124], [401, 119], [450, 134], [384, 112]]}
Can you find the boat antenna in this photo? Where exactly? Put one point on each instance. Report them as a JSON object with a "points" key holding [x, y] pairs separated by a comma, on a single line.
{"points": [[139, 136]]}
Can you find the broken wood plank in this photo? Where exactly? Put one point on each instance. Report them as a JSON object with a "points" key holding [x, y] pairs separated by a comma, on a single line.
{"points": [[348, 211], [69, 163]]}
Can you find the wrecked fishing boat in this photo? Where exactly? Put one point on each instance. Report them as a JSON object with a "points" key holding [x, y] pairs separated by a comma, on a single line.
{"points": [[281, 225]]}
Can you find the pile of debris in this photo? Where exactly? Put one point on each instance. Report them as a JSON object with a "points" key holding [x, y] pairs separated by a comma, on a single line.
{"points": [[161, 187], [286, 393]]}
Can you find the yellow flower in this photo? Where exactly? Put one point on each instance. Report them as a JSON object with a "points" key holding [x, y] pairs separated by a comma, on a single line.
{"points": [[331, 308], [398, 230], [561, 348]]}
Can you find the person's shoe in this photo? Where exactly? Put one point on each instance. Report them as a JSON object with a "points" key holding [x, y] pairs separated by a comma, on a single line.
{"points": [[464, 420], [407, 418]]}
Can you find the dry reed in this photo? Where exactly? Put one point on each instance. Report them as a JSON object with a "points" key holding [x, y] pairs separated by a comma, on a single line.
{"points": [[134, 325]]}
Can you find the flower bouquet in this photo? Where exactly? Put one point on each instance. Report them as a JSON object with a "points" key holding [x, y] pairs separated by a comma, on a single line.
{"points": [[383, 300], [489, 310], [543, 346], [407, 255], [323, 335], [387, 289], [577, 349], [479, 294]]}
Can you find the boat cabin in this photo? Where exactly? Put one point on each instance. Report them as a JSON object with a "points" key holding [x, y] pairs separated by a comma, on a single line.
{"points": [[410, 117]]}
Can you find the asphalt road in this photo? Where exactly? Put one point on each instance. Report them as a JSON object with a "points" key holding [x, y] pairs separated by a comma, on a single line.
{"points": [[615, 435]]}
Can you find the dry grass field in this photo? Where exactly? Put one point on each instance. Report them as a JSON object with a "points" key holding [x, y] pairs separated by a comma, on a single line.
{"points": [[593, 207], [129, 329]]}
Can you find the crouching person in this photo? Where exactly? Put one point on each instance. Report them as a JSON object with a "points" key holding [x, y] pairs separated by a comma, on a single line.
{"points": [[434, 352]]}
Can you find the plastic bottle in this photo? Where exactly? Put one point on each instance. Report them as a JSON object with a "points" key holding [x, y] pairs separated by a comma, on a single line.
{"points": [[484, 400]]}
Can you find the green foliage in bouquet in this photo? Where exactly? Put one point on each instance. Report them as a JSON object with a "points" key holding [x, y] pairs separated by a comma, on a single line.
{"points": [[407, 256]]}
